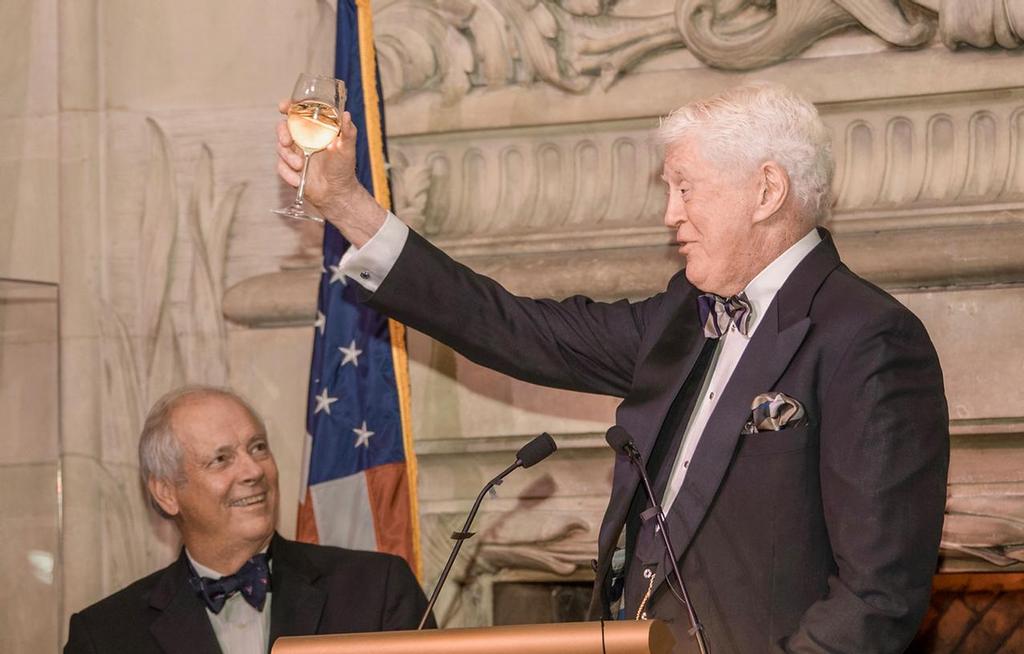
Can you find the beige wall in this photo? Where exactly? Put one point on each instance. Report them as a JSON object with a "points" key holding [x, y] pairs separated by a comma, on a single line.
{"points": [[139, 131]]}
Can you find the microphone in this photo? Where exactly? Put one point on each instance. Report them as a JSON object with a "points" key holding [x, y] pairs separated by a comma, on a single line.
{"points": [[528, 455], [620, 441]]}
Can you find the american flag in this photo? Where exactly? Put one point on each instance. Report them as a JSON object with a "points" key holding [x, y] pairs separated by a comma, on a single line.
{"points": [[359, 484]]}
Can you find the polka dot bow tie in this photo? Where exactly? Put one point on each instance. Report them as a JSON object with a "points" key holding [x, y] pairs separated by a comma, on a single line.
{"points": [[717, 313], [252, 581]]}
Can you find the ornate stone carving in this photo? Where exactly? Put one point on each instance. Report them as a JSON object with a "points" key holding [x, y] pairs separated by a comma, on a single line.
{"points": [[920, 155], [529, 181], [159, 347], [455, 46], [552, 543]]}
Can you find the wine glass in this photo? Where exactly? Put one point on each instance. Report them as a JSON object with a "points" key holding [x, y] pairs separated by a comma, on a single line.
{"points": [[314, 120]]}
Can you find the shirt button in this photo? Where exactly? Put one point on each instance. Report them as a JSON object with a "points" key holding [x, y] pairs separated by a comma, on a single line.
{"points": [[643, 616], [364, 275], [711, 395]]}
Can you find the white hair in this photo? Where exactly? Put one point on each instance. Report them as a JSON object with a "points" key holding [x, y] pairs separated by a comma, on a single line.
{"points": [[160, 453], [754, 123]]}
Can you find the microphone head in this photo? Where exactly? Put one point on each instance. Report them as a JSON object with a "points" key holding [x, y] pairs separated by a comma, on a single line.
{"points": [[618, 438], [536, 450]]}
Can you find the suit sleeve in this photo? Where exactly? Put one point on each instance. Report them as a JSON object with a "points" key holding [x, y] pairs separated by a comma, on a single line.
{"points": [[404, 601], [79, 641], [884, 456], [577, 343]]}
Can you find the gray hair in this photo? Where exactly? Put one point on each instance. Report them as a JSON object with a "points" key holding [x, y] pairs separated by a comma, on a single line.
{"points": [[160, 453], [753, 123]]}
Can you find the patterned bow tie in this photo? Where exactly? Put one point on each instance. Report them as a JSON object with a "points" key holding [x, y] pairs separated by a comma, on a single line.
{"points": [[717, 313], [252, 580]]}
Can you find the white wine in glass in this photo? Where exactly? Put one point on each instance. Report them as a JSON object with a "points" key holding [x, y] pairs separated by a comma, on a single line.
{"points": [[314, 120]]}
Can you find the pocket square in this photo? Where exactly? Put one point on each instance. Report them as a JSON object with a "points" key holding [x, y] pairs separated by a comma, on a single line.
{"points": [[772, 412]]}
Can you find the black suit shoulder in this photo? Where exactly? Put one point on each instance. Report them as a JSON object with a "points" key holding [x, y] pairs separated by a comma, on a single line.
{"points": [[366, 591], [121, 617], [331, 560], [855, 305]]}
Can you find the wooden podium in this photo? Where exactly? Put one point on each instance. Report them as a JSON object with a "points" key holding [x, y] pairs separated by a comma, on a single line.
{"points": [[614, 637]]}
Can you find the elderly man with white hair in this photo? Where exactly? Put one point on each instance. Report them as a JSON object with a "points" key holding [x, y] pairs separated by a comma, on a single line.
{"points": [[791, 415], [205, 458]]}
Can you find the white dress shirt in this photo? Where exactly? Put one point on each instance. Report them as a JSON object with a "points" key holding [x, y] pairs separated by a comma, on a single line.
{"points": [[240, 628], [370, 264], [760, 292]]}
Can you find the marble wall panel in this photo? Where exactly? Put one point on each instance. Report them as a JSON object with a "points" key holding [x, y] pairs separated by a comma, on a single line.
{"points": [[453, 397], [29, 467], [29, 558], [270, 367], [218, 56], [977, 335], [29, 373], [29, 151]]}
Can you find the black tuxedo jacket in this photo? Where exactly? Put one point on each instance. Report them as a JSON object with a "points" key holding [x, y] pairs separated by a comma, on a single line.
{"points": [[820, 537], [316, 590]]}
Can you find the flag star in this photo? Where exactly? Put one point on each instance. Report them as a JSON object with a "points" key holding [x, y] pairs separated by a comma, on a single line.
{"points": [[351, 354], [364, 435], [337, 275], [321, 322], [324, 402]]}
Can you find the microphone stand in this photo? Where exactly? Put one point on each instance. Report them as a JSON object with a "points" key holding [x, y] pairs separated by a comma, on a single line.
{"points": [[696, 629], [461, 536]]}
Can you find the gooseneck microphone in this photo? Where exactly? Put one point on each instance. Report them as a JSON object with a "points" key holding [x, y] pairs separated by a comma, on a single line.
{"points": [[528, 455], [622, 442]]}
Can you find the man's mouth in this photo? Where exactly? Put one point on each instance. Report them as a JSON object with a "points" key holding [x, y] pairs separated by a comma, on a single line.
{"points": [[250, 501]]}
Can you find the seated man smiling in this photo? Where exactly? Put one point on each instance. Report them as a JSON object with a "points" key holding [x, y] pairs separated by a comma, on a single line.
{"points": [[237, 585]]}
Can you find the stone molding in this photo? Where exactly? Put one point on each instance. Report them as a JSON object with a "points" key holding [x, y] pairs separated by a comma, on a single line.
{"points": [[454, 48]]}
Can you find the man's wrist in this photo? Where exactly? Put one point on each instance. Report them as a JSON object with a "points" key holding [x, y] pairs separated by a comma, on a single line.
{"points": [[357, 216]]}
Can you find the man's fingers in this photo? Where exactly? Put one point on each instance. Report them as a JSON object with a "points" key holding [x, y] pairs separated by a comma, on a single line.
{"points": [[285, 172], [291, 158], [348, 128], [284, 137], [283, 106]]}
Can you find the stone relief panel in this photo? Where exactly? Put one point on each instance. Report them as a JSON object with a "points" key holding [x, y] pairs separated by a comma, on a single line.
{"points": [[151, 344], [456, 46]]}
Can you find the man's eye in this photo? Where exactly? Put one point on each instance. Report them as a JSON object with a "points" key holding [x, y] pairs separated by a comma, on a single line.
{"points": [[260, 447], [218, 460]]}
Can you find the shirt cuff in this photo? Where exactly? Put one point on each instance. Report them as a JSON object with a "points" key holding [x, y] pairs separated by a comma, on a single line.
{"points": [[370, 264]]}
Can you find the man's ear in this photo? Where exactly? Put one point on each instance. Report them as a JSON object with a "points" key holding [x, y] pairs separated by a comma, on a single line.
{"points": [[772, 190], [165, 494]]}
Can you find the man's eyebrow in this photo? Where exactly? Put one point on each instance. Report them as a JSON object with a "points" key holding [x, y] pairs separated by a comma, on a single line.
{"points": [[223, 449]]}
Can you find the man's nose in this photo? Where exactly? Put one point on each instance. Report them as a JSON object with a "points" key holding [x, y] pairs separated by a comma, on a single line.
{"points": [[251, 470], [675, 214]]}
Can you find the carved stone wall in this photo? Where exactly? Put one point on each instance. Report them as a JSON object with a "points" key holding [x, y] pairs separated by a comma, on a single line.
{"points": [[519, 143], [140, 172]]}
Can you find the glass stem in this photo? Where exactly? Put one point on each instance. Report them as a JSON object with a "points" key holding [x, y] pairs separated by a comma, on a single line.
{"points": [[302, 180]]}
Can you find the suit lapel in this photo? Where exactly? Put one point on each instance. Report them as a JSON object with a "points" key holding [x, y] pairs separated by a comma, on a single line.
{"points": [[297, 604], [776, 341], [183, 626]]}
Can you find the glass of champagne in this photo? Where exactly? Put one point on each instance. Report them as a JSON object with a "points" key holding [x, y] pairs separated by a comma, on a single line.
{"points": [[314, 120]]}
